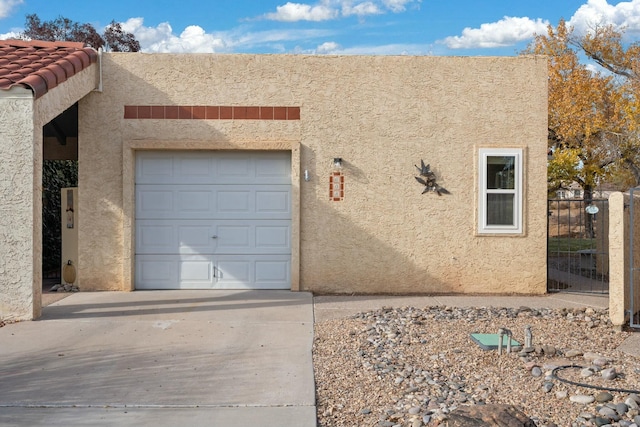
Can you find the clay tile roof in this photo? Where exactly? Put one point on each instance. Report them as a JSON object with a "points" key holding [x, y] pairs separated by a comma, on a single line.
{"points": [[40, 65]]}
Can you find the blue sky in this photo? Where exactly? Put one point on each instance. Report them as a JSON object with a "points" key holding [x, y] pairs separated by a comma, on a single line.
{"points": [[386, 27]]}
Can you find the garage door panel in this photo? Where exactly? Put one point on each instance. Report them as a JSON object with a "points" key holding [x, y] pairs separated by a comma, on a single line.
{"points": [[156, 272], [253, 272], [194, 168], [213, 202], [153, 167], [154, 200], [234, 238], [273, 202], [197, 202], [271, 167], [155, 238], [237, 201], [195, 239], [213, 272], [213, 220], [174, 271], [273, 237], [271, 273], [219, 167], [206, 237], [196, 271]]}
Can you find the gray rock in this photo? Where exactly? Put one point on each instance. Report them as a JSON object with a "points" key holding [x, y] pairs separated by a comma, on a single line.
{"points": [[548, 350], [586, 415], [536, 371], [572, 353], [621, 408], [632, 404], [582, 399], [547, 386], [586, 373], [607, 412], [488, 416], [590, 356], [601, 422], [609, 374], [604, 397], [600, 362]]}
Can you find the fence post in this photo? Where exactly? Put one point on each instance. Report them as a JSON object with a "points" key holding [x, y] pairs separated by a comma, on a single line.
{"points": [[618, 296]]}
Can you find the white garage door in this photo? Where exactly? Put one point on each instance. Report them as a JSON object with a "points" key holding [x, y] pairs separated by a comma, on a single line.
{"points": [[213, 220]]}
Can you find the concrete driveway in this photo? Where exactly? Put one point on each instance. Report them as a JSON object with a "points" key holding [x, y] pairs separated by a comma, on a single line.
{"points": [[163, 358]]}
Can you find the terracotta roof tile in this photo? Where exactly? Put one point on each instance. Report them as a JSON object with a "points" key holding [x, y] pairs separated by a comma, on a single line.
{"points": [[41, 66]]}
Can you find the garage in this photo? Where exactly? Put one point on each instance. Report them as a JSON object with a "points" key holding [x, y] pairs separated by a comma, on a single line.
{"points": [[213, 220]]}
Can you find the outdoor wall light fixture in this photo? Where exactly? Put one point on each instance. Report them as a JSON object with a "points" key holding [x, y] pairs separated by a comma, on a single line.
{"points": [[337, 162]]}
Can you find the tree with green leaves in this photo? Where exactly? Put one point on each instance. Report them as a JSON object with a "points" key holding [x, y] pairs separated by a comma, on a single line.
{"points": [[113, 39]]}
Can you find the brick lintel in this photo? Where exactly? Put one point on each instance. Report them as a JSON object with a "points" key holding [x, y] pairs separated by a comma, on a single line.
{"points": [[208, 112]]}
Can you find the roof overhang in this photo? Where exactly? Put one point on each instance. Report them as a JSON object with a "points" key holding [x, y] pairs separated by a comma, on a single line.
{"points": [[41, 66]]}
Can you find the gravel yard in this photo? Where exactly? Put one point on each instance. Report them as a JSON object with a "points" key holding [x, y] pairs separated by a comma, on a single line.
{"points": [[413, 367]]}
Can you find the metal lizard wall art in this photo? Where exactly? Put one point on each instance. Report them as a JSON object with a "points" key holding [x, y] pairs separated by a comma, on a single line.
{"points": [[428, 179]]}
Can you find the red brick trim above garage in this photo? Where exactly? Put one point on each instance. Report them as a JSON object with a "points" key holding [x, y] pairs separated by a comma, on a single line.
{"points": [[208, 112]]}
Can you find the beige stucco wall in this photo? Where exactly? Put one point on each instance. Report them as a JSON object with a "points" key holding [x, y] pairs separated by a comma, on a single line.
{"points": [[382, 115], [621, 240], [17, 192], [618, 242], [21, 122], [633, 302]]}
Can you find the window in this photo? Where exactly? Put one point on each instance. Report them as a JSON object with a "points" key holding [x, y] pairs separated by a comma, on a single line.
{"points": [[500, 191]]}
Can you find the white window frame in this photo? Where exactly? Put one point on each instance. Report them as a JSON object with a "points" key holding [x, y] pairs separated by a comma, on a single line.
{"points": [[483, 191]]}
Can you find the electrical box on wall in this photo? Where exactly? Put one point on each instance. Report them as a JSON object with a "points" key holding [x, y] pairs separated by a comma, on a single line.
{"points": [[69, 231]]}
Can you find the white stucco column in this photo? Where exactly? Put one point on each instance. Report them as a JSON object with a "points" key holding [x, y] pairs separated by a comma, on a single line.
{"points": [[20, 207]]}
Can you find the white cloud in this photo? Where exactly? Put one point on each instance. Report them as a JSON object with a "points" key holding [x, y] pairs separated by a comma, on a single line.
{"points": [[361, 9], [161, 38], [506, 32], [292, 12], [328, 48], [325, 10], [6, 7], [194, 39], [397, 6], [332, 48], [9, 35], [624, 15]]}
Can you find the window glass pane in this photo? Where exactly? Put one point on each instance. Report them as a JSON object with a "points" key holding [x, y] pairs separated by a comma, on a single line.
{"points": [[500, 209], [501, 172]]}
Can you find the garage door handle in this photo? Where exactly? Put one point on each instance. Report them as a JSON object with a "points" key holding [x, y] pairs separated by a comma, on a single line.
{"points": [[214, 236]]}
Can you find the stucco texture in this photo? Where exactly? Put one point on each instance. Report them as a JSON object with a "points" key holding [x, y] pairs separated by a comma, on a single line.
{"points": [[381, 115], [17, 191], [21, 149]]}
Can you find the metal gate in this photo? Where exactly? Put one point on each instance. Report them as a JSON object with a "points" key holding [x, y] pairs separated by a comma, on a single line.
{"points": [[634, 264], [578, 246]]}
